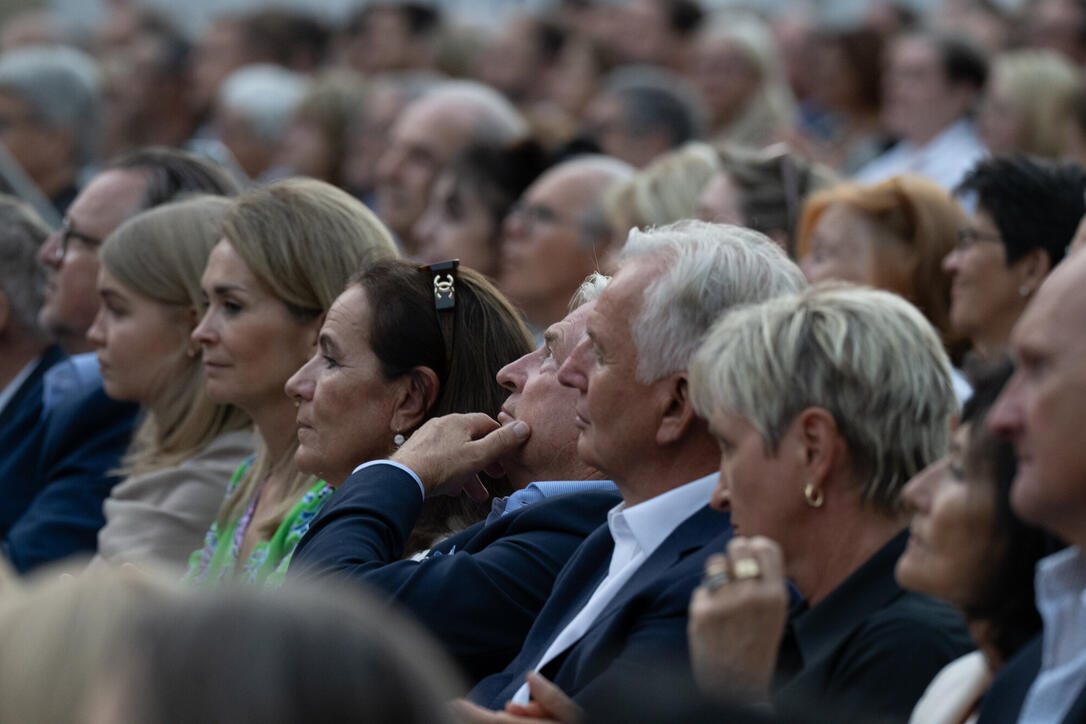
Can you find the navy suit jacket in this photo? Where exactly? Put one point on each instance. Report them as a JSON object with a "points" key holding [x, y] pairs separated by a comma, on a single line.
{"points": [[1004, 700], [54, 469], [478, 591], [640, 632]]}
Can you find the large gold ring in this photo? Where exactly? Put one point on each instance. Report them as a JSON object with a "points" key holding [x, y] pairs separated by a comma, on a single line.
{"points": [[716, 575], [746, 568]]}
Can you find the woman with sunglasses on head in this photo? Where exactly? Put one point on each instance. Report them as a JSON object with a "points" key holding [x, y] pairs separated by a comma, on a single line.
{"points": [[187, 446], [969, 548], [402, 344], [286, 252]]}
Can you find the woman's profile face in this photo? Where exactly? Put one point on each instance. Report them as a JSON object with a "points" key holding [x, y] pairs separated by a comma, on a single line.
{"points": [[457, 225], [346, 406], [251, 343], [841, 247], [138, 340], [953, 502]]}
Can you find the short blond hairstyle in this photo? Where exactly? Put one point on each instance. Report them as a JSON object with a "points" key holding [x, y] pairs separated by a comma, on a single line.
{"points": [[665, 191], [1041, 85], [867, 357]]}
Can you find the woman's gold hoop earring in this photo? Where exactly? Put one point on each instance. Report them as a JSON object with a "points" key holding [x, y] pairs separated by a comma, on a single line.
{"points": [[814, 497]]}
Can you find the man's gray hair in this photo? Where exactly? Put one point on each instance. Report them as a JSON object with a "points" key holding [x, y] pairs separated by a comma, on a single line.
{"points": [[708, 270], [867, 357], [654, 100], [22, 278], [589, 291], [497, 121], [61, 88], [266, 95]]}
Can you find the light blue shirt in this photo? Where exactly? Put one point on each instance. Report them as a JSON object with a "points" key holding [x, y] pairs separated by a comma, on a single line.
{"points": [[1061, 600], [540, 490], [70, 377]]}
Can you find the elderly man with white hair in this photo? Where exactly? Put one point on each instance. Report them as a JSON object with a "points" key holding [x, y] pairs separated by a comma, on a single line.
{"points": [[50, 116], [427, 135], [618, 608], [824, 404]]}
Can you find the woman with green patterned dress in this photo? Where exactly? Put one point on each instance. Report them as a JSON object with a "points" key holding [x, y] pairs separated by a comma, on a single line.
{"points": [[287, 251]]}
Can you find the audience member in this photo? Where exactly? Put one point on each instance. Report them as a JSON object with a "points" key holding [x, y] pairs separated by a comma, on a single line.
{"points": [[1058, 25], [55, 474], [1039, 412], [967, 547], [931, 87], [254, 108], [894, 236], [737, 68], [519, 60], [470, 200], [797, 392], [426, 136], [286, 253], [1027, 212], [50, 104], [1027, 97], [403, 344], [494, 577], [618, 609], [665, 191], [390, 36], [640, 112], [147, 99], [316, 136], [555, 235], [187, 446], [763, 190], [656, 32]]}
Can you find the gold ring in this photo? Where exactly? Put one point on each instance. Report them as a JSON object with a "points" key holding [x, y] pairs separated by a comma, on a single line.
{"points": [[746, 568]]}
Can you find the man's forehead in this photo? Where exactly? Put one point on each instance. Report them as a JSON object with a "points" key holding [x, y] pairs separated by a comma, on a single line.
{"points": [[109, 199], [571, 328]]}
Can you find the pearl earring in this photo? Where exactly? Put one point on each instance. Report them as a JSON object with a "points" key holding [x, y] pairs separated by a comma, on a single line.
{"points": [[398, 439], [1024, 290]]}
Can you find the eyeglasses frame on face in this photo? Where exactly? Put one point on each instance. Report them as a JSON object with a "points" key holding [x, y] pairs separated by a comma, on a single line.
{"points": [[533, 215], [67, 234], [968, 236]]}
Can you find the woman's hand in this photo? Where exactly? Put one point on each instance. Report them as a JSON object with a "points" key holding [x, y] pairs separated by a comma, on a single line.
{"points": [[448, 451], [737, 619]]}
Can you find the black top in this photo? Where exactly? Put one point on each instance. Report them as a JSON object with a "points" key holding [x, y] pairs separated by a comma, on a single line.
{"points": [[867, 651]]}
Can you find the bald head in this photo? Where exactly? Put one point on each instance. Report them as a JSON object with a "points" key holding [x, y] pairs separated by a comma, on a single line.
{"points": [[427, 135], [555, 237]]}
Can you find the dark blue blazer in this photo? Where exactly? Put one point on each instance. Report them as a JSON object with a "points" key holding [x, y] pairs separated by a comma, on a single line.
{"points": [[1004, 700], [54, 470], [640, 632], [478, 591]]}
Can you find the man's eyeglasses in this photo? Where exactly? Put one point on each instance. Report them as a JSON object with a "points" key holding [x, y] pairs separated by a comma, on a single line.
{"points": [[534, 216], [969, 236], [68, 234]]}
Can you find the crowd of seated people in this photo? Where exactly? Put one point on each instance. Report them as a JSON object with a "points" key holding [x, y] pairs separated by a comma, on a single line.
{"points": [[569, 361]]}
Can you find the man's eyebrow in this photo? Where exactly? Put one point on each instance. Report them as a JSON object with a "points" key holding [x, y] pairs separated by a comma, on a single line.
{"points": [[551, 336]]}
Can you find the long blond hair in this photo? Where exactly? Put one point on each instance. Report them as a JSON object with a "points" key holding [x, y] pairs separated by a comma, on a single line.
{"points": [[161, 254], [303, 239]]}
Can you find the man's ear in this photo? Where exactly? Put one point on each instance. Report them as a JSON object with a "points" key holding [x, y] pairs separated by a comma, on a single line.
{"points": [[418, 390], [678, 413]]}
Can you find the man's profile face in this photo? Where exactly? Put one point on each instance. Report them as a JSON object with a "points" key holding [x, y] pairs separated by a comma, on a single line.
{"points": [[71, 299], [1040, 409]]}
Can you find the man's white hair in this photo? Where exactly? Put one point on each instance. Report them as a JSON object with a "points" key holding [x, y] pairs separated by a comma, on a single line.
{"points": [[867, 357], [589, 291], [266, 95], [708, 270]]}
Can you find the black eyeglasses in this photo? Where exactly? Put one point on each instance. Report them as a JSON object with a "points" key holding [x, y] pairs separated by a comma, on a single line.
{"points": [[68, 234], [444, 279], [969, 236]]}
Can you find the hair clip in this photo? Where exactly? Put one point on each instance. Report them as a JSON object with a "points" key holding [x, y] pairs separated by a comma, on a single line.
{"points": [[444, 283]]}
